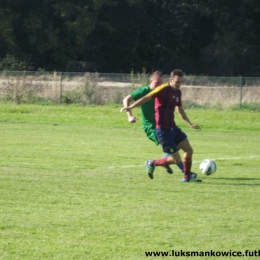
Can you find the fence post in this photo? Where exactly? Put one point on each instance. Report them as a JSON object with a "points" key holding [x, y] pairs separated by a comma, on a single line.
{"points": [[242, 82], [61, 88]]}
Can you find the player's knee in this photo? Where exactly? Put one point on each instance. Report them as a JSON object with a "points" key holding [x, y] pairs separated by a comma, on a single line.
{"points": [[174, 158]]}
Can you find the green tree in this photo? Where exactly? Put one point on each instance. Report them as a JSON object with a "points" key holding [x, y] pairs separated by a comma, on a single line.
{"points": [[235, 49]]}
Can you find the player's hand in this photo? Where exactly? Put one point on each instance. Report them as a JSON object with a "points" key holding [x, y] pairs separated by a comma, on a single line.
{"points": [[132, 119], [195, 127]]}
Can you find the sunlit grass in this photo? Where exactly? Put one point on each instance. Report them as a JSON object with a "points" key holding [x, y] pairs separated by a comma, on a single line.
{"points": [[73, 185]]}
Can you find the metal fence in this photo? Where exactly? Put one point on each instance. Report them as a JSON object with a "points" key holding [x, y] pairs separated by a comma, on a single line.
{"points": [[102, 88]]}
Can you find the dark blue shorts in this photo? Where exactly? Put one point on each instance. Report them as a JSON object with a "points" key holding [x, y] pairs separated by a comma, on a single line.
{"points": [[170, 138]]}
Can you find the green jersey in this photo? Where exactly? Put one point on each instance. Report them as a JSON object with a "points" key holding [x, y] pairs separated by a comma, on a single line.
{"points": [[147, 111]]}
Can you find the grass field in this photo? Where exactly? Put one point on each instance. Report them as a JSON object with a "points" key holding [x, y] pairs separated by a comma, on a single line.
{"points": [[73, 186]]}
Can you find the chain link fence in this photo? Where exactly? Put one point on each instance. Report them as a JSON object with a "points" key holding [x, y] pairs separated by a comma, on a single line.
{"points": [[103, 88]]}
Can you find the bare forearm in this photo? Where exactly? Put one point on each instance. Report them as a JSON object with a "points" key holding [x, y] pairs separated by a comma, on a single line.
{"points": [[140, 101], [126, 103], [136, 103], [185, 118]]}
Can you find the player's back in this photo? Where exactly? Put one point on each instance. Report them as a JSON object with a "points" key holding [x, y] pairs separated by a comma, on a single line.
{"points": [[147, 109]]}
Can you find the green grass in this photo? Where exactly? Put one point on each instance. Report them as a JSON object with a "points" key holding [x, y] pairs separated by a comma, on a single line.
{"points": [[73, 185]]}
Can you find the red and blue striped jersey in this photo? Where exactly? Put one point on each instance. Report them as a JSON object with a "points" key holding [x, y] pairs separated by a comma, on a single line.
{"points": [[166, 99]]}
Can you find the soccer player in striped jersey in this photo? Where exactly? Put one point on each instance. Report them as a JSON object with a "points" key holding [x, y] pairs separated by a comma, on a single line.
{"points": [[168, 98], [148, 113]]}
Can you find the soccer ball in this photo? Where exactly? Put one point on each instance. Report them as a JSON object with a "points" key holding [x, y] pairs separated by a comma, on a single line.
{"points": [[208, 167]]}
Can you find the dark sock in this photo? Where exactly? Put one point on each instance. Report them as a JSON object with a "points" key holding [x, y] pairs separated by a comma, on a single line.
{"points": [[181, 166], [187, 162]]}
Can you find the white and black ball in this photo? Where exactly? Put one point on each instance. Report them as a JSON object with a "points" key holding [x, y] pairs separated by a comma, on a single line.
{"points": [[208, 167]]}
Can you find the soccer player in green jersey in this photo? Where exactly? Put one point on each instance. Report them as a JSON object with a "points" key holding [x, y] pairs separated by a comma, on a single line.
{"points": [[168, 99], [147, 111]]}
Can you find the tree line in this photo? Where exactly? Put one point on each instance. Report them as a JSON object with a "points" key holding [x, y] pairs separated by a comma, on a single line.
{"points": [[202, 37]]}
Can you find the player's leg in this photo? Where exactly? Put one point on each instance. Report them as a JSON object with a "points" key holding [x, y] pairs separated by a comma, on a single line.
{"points": [[183, 143], [187, 156], [166, 139], [180, 164], [174, 158], [168, 168], [179, 138], [150, 133], [188, 176]]}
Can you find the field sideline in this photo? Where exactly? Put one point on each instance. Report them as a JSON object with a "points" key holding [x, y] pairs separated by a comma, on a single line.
{"points": [[73, 186]]}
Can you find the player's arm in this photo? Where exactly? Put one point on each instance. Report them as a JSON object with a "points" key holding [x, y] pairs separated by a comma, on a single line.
{"points": [[126, 102], [137, 103], [146, 98], [185, 118]]}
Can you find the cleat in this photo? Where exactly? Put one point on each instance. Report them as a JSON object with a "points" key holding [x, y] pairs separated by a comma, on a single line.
{"points": [[150, 168], [190, 177], [168, 168]]}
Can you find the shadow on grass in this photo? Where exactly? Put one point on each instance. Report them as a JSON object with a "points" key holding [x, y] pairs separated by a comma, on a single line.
{"points": [[239, 179], [244, 181]]}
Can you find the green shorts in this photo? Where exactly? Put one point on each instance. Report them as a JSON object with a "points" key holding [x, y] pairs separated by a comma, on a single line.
{"points": [[150, 132]]}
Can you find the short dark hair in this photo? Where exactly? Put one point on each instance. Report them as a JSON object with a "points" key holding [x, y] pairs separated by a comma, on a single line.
{"points": [[176, 73]]}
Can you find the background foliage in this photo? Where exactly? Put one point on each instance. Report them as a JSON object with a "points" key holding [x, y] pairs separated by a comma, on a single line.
{"points": [[203, 37]]}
